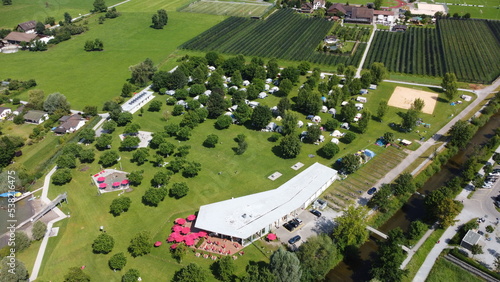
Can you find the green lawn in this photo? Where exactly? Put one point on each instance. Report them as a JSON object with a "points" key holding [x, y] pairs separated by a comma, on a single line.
{"points": [[444, 270], [239, 9], [94, 77], [27, 10], [419, 257], [491, 13]]}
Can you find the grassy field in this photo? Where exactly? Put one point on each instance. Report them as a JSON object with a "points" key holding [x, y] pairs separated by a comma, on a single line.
{"points": [[239, 9], [27, 10], [94, 77], [443, 270], [491, 13], [419, 257]]}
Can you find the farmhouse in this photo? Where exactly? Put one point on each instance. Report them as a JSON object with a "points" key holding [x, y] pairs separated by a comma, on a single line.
{"points": [[70, 124], [353, 14], [4, 112], [28, 27], [36, 117], [17, 37], [246, 219]]}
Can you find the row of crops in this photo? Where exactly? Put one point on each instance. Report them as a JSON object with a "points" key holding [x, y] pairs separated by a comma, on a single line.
{"points": [[351, 33], [284, 35], [468, 48]]}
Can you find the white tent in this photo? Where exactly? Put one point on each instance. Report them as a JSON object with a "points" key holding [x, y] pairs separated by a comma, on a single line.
{"points": [[344, 103], [253, 104], [300, 123], [266, 87], [335, 140], [336, 133], [316, 119], [359, 106], [279, 118], [170, 92], [262, 95], [271, 126], [361, 99], [321, 138], [332, 111], [372, 86], [269, 80], [345, 125], [208, 92], [246, 82], [324, 109]]}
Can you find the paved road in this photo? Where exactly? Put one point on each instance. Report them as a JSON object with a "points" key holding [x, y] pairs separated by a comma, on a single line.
{"points": [[427, 85], [360, 67]]}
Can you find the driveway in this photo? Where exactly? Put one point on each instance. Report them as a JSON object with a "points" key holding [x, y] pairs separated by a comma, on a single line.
{"points": [[311, 226]]}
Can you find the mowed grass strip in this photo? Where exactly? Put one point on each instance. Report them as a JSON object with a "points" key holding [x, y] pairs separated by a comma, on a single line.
{"points": [[239, 9], [91, 78], [444, 270]]}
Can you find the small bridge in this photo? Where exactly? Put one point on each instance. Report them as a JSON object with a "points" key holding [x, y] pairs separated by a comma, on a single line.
{"points": [[49, 207], [385, 236]]}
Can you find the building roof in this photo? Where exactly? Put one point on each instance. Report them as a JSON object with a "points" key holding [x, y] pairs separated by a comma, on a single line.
{"points": [[384, 13], [71, 122], [34, 115], [306, 6], [2, 109], [29, 25], [362, 12], [136, 100], [241, 217], [471, 238], [337, 6], [20, 36]]}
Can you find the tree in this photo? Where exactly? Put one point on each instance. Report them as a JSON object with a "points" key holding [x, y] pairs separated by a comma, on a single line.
{"points": [[177, 164], [350, 163], [153, 196], [87, 156], [417, 105], [409, 120], [391, 255], [67, 18], [211, 141], [476, 250], [135, 177], [309, 102], [142, 72], [124, 118], [284, 105], [132, 275], [159, 19], [117, 261], [223, 121], [225, 268], [191, 169], [7, 2], [13, 271], [290, 146], [190, 273], [242, 147], [39, 230], [349, 137], [304, 67], [381, 199], [104, 243], [446, 211], [130, 143], [103, 141], [39, 28], [141, 244], [87, 135], [22, 241], [243, 113], [317, 256], [261, 116], [450, 86], [366, 79], [379, 72], [351, 227], [109, 158], [285, 266], [289, 123], [416, 229], [155, 106], [348, 112], [56, 101], [389, 137], [119, 205], [349, 74], [404, 184], [66, 161], [166, 149], [76, 274], [363, 123], [132, 129], [157, 140], [460, 133], [290, 73], [313, 133], [36, 99], [62, 176], [90, 111], [100, 6], [329, 150]]}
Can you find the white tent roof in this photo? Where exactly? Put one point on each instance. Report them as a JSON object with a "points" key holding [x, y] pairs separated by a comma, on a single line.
{"points": [[335, 140], [244, 216]]}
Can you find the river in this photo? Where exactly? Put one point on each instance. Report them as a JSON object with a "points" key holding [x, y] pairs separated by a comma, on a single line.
{"points": [[357, 269]]}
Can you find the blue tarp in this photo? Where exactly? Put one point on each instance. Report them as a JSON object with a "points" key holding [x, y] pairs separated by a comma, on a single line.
{"points": [[369, 153]]}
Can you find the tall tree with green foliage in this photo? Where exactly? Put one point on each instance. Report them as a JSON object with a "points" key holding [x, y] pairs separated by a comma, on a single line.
{"points": [[379, 72], [450, 86], [317, 256], [141, 244], [351, 227], [100, 6], [391, 255], [13, 271], [142, 72], [460, 133], [56, 101], [285, 266], [290, 146], [159, 19], [225, 268], [132, 275], [191, 273], [117, 261], [381, 199], [382, 109], [39, 230], [103, 244], [76, 274], [120, 205], [261, 116]]}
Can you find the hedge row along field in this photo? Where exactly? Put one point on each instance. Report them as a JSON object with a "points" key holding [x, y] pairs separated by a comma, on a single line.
{"points": [[469, 48], [284, 35]]}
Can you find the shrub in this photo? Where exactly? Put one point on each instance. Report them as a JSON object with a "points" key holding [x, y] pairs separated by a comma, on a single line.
{"points": [[103, 244], [117, 261], [179, 190]]}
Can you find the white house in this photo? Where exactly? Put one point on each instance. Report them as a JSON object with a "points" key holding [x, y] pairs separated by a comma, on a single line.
{"points": [[36, 117], [5, 112], [70, 124], [246, 219]]}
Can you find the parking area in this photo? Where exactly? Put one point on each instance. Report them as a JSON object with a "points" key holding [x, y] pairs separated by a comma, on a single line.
{"points": [[311, 226]]}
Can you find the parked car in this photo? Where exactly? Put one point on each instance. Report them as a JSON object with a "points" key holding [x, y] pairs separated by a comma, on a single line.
{"points": [[297, 220], [316, 213], [289, 227], [293, 223], [372, 191], [294, 239]]}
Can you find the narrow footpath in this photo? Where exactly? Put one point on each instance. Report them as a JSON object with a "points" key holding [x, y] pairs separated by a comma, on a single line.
{"points": [[360, 67]]}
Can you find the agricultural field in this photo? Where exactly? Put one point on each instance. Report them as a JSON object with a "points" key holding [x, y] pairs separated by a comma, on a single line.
{"points": [[474, 56], [233, 8], [27, 10], [284, 35], [481, 9]]}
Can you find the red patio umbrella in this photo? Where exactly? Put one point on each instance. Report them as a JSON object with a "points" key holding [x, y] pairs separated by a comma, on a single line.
{"points": [[189, 242], [102, 185], [171, 238], [202, 234], [271, 236], [124, 181], [191, 217], [185, 230], [177, 228], [116, 184], [179, 239], [173, 247], [180, 221], [101, 179], [157, 244]]}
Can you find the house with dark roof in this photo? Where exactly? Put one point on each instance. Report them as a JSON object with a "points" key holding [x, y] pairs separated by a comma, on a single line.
{"points": [[19, 110], [336, 8], [70, 124], [399, 27], [28, 26], [17, 37], [306, 8], [352, 14], [5, 112], [36, 117]]}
